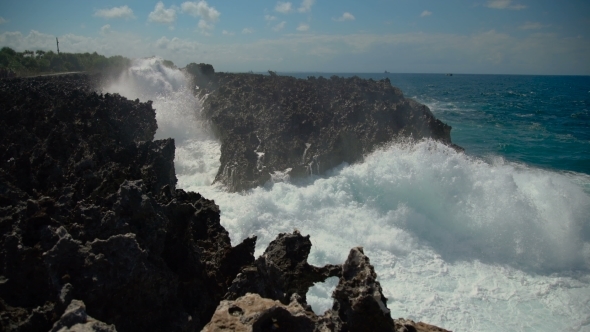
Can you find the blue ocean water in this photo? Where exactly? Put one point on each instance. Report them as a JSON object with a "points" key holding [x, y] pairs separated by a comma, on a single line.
{"points": [[542, 121], [496, 238]]}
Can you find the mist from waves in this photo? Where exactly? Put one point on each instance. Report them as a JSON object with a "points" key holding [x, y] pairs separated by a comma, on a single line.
{"points": [[456, 241], [177, 114]]}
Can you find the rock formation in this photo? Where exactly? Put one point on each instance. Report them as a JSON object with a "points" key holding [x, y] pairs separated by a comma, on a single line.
{"points": [[266, 296], [95, 236], [88, 205], [270, 124]]}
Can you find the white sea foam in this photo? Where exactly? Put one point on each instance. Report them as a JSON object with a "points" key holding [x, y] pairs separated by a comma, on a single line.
{"points": [[467, 244]]}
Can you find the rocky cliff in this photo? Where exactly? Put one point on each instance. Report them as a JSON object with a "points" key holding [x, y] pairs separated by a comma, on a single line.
{"points": [[89, 211], [95, 236], [270, 123]]}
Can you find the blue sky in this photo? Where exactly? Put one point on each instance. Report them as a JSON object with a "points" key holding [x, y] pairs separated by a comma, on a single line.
{"points": [[409, 36]]}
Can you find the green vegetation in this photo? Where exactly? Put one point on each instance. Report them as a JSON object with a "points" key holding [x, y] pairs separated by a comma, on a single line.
{"points": [[38, 62]]}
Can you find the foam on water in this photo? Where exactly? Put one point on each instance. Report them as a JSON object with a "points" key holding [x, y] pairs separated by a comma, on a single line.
{"points": [[467, 244]]}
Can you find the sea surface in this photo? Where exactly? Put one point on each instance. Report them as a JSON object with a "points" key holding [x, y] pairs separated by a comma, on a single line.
{"points": [[495, 238]]}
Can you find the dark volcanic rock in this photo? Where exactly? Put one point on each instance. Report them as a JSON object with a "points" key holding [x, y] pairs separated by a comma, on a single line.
{"points": [[278, 123], [282, 271], [89, 210]]}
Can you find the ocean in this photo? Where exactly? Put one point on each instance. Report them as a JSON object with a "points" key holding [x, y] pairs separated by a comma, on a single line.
{"points": [[495, 238]]}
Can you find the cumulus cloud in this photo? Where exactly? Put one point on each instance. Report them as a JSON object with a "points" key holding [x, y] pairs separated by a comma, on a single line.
{"points": [[504, 4], [303, 27], [345, 17], [284, 7], [228, 33], [306, 6], [2, 20], [426, 13], [115, 12], [201, 9], [270, 18], [162, 15], [279, 26], [247, 31], [209, 15]]}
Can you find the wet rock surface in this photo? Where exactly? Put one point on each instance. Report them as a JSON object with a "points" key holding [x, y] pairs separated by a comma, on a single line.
{"points": [[89, 211], [270, 123]]}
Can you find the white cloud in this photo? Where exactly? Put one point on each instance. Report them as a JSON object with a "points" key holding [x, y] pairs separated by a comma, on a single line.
{"points": [[270, 18], [105, 29], [228, 33], [247, 31], [306, 6], [345, 17], [426, 13], [532, 26], [303, 27], [2, 20], [284, 7], [115, 12], [205, 27], [208, 15], [201, 9], [504, 4], [162, 15], [279, 26]]}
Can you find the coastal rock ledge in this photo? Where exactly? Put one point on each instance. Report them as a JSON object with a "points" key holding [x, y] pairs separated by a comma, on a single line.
{"points": [[273, 125], [94, 235]]}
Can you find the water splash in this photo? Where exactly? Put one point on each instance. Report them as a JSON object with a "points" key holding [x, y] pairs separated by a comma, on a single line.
{"points": [[456, 241]]}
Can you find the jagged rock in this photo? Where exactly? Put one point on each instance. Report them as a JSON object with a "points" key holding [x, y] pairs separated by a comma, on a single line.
{"points": [[270, 124], [358, 298], [359, 304], [89, 210], [75, 319], [252, 313], [282, 271]]}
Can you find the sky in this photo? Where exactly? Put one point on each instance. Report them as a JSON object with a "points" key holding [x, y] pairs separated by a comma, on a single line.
{"points": [[345, 36]]}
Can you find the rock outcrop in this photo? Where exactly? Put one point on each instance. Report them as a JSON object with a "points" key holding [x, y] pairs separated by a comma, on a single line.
{"points": [[282, 271], [95, 236], [258, 302], [269, 124], [88, 208]]}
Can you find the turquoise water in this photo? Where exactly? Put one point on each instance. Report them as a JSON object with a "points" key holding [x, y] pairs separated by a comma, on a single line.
{"points": [[493, 239]]}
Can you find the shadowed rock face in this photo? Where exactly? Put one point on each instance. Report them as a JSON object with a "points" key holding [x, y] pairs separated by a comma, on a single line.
{"points": [[276, 123], [282, 271], [89, 209]]}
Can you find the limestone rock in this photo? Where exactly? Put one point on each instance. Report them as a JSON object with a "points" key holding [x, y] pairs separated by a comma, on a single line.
{"points": [[252, 313]]}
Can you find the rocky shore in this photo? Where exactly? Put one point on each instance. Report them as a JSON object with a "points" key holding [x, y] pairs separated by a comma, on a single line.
{"points": [[271, 124], [94, 234]]}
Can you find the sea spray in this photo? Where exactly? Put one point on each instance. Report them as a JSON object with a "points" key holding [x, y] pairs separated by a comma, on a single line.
{"points": [[455, 241], [458, 241]]}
